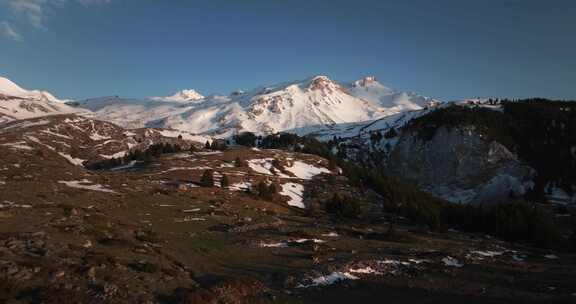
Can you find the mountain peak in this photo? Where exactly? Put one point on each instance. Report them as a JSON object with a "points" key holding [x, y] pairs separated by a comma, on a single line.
{"points": [[187, 95], [8, 87], [321, 82], [366, 81], [370, 82]]}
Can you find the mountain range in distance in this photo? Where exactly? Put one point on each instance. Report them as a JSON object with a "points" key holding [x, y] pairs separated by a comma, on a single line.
{"points": [[298, 106]]}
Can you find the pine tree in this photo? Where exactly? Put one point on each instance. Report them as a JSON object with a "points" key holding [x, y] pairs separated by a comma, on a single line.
{"points": [[262, 189], [224, 181], [331, 163], [272, 189], [238, 162], [391, 133], [207, 179]]}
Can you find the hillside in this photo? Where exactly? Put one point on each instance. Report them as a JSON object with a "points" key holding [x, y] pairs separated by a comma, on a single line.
{"points": [[235, 225], [473, 151]]}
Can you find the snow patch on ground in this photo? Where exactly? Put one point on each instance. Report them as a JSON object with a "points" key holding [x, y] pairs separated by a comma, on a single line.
{"points": [[329, 279], [286, 243], [189, 168], [115, 155], [72, 160], [331, 234], [208, 153], [295, 192], [21, 145], [242, 186], [86, 185], [452, 262], [303, 170], [97, 137], [261, 166], [189, 219], [9, 204], [56, 134], [129, 165], [365, 270], [488, 253], [282, 244], [183, 169], [299, 169]]}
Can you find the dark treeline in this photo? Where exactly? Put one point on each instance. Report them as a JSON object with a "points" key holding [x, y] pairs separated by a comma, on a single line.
{"points": [[216, 145], [149, 154]]}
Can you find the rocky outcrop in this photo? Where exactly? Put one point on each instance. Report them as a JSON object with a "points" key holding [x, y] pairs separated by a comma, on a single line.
{"points": [[461, 166]]}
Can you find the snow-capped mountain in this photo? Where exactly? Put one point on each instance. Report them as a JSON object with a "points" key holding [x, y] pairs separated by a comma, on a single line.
{"points": [[370, 89], [9, 88], [189, 95], [18, 103], [292, 106]]}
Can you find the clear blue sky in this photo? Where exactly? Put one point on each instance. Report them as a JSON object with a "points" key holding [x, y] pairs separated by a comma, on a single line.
{"points": [[444, 49]]}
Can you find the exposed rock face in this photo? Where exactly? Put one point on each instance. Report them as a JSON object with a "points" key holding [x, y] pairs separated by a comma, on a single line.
{"points": [[459, 165]]}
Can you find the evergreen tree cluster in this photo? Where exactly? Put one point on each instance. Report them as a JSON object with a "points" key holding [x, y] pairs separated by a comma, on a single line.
{"points": [[216, 145], [247, 139], [239, 163], [266, 191], [285, 141], [375, 136], [391, 133], [514, 221], [146, 156], [207, 179]]}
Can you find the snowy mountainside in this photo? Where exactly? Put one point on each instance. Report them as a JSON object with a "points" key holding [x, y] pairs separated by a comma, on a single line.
{"points": [[291, 106], [9, 88], [189, 95], [78, 140], [18, 103], [370, 89], [129, 113]]}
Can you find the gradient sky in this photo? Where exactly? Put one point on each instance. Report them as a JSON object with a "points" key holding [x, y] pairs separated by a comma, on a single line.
{"points": [[447, 49]]}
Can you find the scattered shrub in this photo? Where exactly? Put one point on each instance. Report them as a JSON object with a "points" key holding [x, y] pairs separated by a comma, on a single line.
{"points": [[265, 191], [207, 179], [224, 183]]}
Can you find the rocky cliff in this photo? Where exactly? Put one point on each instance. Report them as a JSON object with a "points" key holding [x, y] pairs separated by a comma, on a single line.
{"points": [[460, 165]]}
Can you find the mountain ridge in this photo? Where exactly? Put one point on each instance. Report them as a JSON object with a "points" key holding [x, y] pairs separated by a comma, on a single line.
{"points": [[316, 100]]}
